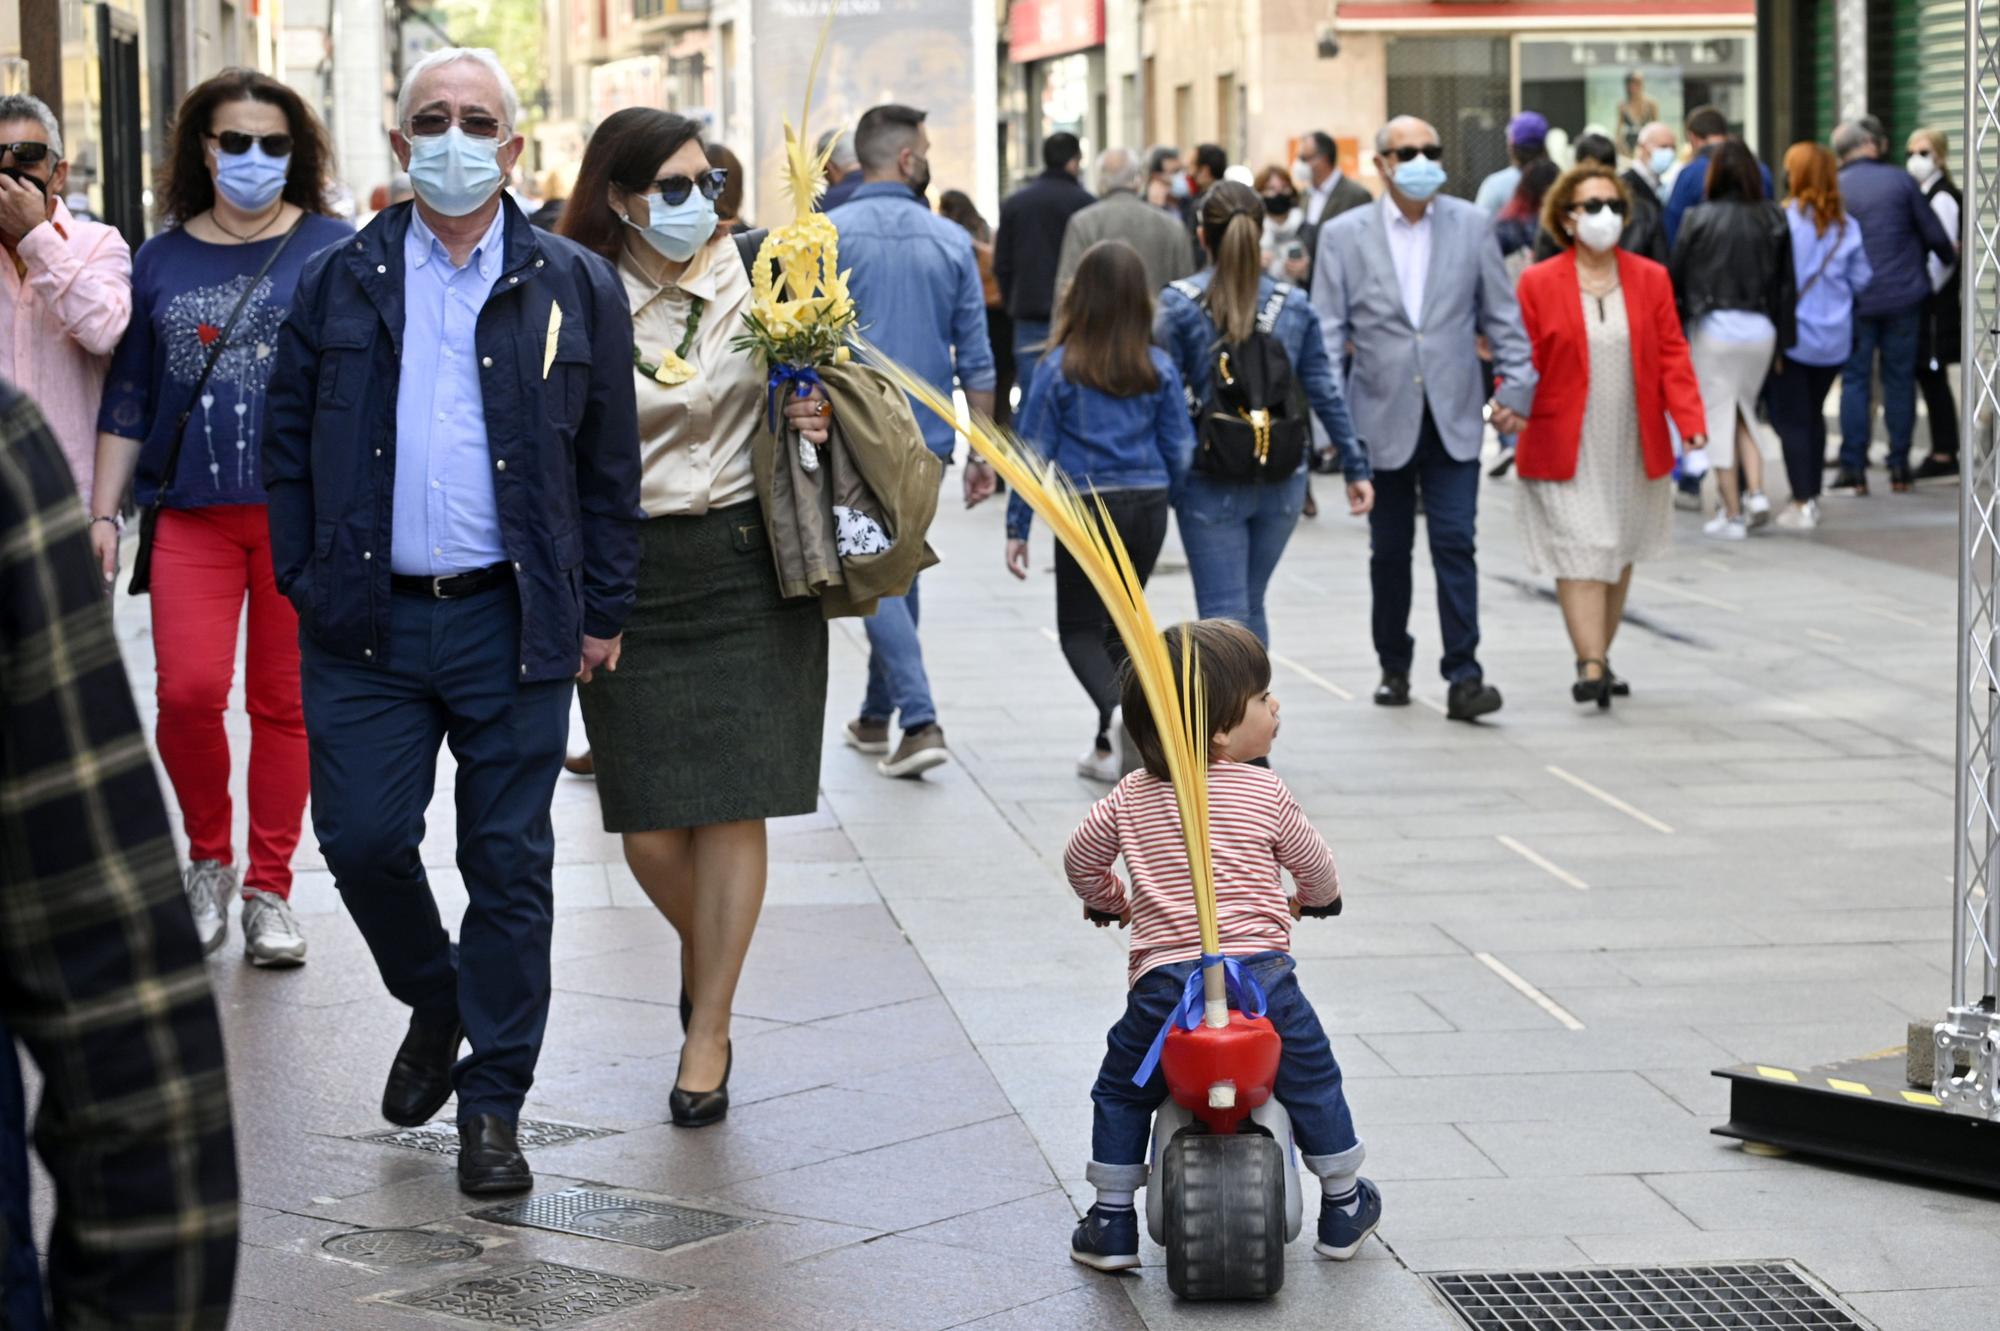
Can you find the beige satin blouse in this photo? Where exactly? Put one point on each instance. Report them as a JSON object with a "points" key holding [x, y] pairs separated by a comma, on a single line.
{"points": [[694, 438]]}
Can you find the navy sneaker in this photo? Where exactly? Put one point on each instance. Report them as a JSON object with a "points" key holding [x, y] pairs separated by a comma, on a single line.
{"points": [[1341, 1235], [1108, 1239]]}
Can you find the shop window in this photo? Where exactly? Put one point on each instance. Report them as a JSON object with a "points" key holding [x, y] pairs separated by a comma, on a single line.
{"points": [[1460, 85], [1581, 84]]}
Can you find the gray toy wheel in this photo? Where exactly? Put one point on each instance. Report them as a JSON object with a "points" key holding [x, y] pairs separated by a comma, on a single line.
{"points": [[1225, 1215]]}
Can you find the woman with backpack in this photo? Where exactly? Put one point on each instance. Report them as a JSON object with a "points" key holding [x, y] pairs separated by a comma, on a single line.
{"points": [[1106, 406], [1249, 351]]}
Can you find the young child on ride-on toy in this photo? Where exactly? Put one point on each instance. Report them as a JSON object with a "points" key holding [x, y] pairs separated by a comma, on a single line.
{"points": [[1256, 829]]}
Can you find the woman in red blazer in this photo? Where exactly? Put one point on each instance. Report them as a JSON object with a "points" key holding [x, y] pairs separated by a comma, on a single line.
{"points": [[1595, 455]]}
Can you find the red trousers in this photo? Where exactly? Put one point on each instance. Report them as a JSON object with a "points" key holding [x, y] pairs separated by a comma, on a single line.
{"points": [[205, 561]]}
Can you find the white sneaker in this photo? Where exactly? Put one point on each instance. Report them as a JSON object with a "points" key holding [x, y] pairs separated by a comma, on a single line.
{"points": [[1099, 765], [1800, 517], [1725, 528], [271, 934], [210, 886], [1756, 508]]}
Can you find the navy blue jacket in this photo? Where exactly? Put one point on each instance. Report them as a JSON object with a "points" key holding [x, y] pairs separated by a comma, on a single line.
{"points": [[1027, 244], [565, 443], [1897, 227]]}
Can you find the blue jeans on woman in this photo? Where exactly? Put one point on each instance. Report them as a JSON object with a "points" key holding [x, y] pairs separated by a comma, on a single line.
{"points": [[1234, 533]]}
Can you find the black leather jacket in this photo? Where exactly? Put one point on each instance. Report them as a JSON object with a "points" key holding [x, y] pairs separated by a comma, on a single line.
{"points": [[1734, 255]]}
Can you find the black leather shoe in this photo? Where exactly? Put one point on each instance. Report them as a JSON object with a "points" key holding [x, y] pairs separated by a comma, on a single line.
{"points": [[1850, 482], [698, 1109], [1937, 465], [490, 1159], [1394, 690], [420, 1078], [1471, 699], [1899, 478]]}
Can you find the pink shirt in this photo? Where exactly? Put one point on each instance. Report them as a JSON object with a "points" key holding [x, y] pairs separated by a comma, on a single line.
{"points": [[1255, 829], [60, 323]]}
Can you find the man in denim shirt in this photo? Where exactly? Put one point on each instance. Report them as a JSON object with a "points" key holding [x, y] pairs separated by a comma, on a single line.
{"points": [[916, 285]]}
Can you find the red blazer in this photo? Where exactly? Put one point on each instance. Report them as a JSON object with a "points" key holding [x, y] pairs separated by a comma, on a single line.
{"points": [[1552, 309]]}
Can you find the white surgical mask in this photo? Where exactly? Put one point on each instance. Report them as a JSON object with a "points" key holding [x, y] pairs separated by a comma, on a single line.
{"points": [[1302, 174], [1922, 167], [1600, 230], [1662, 160]]}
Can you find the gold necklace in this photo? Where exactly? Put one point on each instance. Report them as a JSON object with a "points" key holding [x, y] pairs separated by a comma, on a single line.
{"points": [[216, 222]]}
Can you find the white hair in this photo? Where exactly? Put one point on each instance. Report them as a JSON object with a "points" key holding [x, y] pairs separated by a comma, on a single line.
{"points": [[451, 55], [1119, 169], [21, 106]]}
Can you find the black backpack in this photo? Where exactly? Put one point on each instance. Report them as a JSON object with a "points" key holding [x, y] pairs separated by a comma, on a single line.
{"points": [[1254, 425]]}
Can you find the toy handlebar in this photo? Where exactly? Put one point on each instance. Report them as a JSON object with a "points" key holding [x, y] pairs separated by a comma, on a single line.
{"points": [[1320, 912]]}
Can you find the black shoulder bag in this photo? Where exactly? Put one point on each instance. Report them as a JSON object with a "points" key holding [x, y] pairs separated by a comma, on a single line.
{"points": [[149, 517]]}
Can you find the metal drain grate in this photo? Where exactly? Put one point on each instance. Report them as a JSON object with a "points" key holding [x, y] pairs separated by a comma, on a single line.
{"points": [[401, 1247], [1769, 1295], [536, 1295], [616, 1216], [441, 1138]]}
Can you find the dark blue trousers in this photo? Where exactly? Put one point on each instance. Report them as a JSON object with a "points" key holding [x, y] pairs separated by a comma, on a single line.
{"points": [[450, 673], [1450, 491], [21, 1306], [1308, 1083]]}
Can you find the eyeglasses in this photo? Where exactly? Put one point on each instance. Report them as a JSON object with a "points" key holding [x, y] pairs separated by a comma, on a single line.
{"points": [[430, 124], [236, 143], [1407, 154], [1596, 206], [26, 153], [674, 190]]}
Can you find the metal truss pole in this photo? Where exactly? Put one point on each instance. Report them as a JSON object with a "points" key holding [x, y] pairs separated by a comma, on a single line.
{"points": [[1966, 1070]]}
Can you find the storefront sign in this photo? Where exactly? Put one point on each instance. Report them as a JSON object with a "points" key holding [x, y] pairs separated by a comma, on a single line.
{"points": [[1038, 29]]}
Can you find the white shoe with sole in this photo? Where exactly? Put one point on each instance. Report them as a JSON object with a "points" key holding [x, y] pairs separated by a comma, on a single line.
{"points": [[1756, 509], [1722, 527], [1799, 517]]}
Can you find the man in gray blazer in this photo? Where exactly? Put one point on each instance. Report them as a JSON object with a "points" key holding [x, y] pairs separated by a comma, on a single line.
{"points": [[1120, 214], [1408, 286]]}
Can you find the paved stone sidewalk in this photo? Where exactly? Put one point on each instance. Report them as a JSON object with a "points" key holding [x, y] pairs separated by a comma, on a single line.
{"points": [[1747, 859]]}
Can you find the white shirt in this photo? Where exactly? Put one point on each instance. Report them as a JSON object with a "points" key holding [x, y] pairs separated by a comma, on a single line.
{"points": [[1319, 196], [1410, 250], [1946, 209]]}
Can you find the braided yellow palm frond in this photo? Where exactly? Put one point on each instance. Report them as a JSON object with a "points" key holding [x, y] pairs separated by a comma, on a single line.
{"points": [[1085, 530], [805, 169]]}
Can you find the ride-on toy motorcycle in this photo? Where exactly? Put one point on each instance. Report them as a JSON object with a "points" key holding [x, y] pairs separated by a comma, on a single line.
{"points": [[1222, 1190]]}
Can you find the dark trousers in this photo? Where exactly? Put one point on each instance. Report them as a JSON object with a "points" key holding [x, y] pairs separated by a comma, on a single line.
{"points": [[1308, 1082], [1942, 406], [1450, 491], [449, 673], [1030, 339], [1089, 642], [1894, 338], [21, 1306], [1000, 335], [1795, 395]]}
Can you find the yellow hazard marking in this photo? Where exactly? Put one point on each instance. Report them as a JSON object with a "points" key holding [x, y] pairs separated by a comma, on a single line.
{"points": [[1921, 1098], [1776, 1074], [1851, 1087]]}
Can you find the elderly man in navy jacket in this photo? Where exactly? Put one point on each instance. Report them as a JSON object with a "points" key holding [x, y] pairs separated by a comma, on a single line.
{"points": [[1898, 228], [453, 466]]}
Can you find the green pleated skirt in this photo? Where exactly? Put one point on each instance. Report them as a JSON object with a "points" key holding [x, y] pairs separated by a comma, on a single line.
{"points": [[718, 706]]}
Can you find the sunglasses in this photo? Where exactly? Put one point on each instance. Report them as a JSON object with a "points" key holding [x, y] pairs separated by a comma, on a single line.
{"points": [[674, 190], [236, 143], [1914, 152], [1596, 206], [1430, 150], [27, 153], [430, 124]]}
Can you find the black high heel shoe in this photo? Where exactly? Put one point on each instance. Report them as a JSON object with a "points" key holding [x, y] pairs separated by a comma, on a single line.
{"points": [[698, 1109], [1596, 690], [1619, 688]]}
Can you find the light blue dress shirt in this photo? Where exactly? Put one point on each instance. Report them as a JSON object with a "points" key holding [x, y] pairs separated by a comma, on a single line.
{"points": [[446, 518]]}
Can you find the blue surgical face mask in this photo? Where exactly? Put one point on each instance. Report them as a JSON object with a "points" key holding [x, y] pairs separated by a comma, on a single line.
{"points": [[1177, 185], [678, 230], [1662, 161], [1419, 178], [251, 180], [453, 172]]}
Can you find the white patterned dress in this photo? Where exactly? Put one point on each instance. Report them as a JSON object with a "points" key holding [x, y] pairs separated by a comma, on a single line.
{"points": [[1609, 515]]}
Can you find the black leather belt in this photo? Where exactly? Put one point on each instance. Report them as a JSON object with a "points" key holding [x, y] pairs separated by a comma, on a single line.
{"points": [[452, 586]]}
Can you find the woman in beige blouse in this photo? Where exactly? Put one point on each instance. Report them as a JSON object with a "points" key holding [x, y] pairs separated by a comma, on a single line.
{"points": [[712, 722]]}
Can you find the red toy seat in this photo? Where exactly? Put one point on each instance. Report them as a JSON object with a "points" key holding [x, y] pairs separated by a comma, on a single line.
{"points": [[1243, 1054]]}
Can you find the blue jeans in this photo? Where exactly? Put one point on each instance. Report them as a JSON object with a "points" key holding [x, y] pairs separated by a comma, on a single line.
{"points": [[1307, 1085], [897, 683], [1028, 339], [1234, 533], [450, 673], [1894, 336], [21, 1307], [1450, 491]]}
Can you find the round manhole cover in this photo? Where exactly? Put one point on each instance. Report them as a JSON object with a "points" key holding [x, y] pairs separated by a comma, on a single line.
{"points": [[401, 1247]]}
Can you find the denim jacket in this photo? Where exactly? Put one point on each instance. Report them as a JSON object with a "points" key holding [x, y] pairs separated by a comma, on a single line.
{"points": [[1103, 442], [1184, 329]]}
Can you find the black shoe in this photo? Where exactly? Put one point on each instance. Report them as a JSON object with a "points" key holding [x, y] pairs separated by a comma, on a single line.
{"points": [[1394, 690], [490, 1159], [1619, 688], [1937, 466], [1899, 478], [1597, 690], [1852, 482], [420, 1078], [698, 1109], [1503, 465], [1471, 699]]}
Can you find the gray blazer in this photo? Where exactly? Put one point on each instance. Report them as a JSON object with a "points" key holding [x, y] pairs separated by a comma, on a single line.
{"points": [[1395, 367], [1161, 240]]}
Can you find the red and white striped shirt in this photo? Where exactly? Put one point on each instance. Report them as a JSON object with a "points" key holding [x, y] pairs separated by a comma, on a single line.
{"points": [[1255, 828]]}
